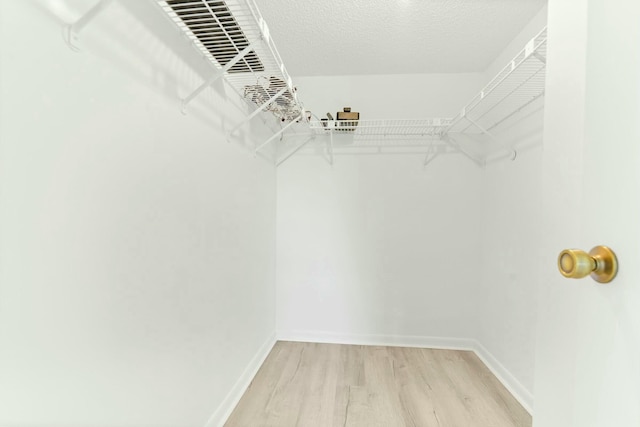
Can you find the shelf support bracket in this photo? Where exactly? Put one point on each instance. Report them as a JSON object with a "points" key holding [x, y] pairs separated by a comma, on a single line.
{"points": [[514, 154], [274, 136], [452, 142], [432, 153], [330, 147], [295, 150], [72, 31], [257, 111], [540, 57], [217, 75]]}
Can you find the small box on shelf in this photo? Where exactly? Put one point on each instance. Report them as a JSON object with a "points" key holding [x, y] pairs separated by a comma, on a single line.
{"points": [[348, 118]]}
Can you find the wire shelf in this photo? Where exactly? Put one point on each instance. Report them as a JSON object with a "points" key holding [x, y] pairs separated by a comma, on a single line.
{"points": [[234, 37], [387, 132], [517, 85], [520, 83]]}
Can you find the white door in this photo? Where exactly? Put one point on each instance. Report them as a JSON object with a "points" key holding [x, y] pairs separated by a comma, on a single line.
{"points": [[588, 346]]}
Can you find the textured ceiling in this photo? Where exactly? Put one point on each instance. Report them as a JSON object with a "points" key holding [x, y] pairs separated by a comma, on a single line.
{"points": [[341, 37]]}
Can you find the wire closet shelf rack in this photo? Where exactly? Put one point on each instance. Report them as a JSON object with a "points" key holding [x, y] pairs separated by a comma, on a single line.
{"points": [[375, 131], [519, 84], [234, 37]]}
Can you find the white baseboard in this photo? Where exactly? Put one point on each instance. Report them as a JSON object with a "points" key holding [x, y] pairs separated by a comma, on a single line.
{"points": [[521, 394], [220, 415], [382, 340], [515, 387]]}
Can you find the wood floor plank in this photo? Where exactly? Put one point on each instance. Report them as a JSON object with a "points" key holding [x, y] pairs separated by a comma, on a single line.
{"points": [[322, 385]]}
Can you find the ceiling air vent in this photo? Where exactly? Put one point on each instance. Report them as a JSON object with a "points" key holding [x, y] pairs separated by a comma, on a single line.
{"points": [[215, 27]]}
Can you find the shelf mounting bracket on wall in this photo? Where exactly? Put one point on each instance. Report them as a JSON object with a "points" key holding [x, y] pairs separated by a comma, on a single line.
{"points": [[72, 31], [511, 150], [540, 57], [432, 153], [207, 83], [295, 150], [452, 142], [330, 148], [257, 111], [280, 132]]}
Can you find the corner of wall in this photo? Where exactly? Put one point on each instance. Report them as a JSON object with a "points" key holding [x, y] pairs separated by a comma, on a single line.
{"points": [[224, 410], [511, 383]]}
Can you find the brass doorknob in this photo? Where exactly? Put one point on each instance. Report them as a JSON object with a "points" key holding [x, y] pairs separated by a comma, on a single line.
{"points": [[600, 262]]}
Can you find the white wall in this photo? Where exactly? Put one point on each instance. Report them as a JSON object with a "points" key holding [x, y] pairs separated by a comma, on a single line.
{"points": [[375, 249], [510, 237], [378, 248], [137, 257]]}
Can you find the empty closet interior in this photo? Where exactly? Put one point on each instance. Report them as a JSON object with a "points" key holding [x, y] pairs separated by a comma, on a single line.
{"points": [[188, 182]]}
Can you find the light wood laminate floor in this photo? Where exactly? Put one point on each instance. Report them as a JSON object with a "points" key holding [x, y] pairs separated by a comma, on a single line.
{"points": [[325, 385]]}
